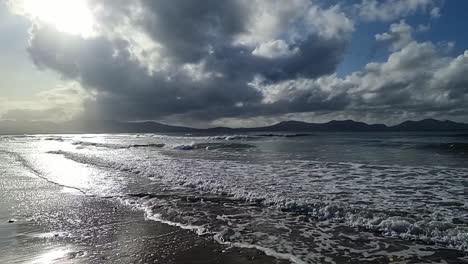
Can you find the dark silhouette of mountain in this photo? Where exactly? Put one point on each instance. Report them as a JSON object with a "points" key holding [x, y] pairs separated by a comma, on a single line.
{"points": [[346, 125], [105, 126], [109, 126], [430, 125]]}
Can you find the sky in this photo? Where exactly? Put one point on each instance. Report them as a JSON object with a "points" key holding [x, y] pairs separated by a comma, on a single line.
{"points": [[233, 62]]}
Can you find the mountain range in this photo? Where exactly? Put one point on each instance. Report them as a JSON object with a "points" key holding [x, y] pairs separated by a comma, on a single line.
{"points": [[16, 127]]}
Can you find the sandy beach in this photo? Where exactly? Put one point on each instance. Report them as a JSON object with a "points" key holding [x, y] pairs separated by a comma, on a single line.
{"points": [[236, 131], [53, 224], [42, 221]]}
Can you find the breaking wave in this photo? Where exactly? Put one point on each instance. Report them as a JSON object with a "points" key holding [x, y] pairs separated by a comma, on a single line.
{"points": [[214, 146], [117, 146], [450, 230], [257, 136], [233, 137], [285, 135]]}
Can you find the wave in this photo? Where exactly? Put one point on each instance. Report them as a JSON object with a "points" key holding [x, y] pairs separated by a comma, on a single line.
{"points": [[20, 137], [154, 206], [146, 205], [451, 232], [60, 139], [267, 251], [233, 137], [214, 146], [117, 146], [285, 135], [192, 146], [93, 144], [217, 236], [153, 145], [257, 136], [433, 231]]}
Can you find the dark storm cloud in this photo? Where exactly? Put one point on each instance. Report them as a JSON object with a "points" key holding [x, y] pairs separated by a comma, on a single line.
{"points": [[206, 54], [187, 29], [194, 31], [241, 59], [124, 87]]}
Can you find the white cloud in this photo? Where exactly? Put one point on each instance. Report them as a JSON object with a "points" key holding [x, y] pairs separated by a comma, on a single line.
{"points": [[423, 28], [399, 35], [275, 49], [435, 12], [374, 10], [330, 23], [417, 80], [292, 21], [271, 19]]}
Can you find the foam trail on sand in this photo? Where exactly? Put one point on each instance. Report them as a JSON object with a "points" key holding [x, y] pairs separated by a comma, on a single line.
{"points": [[381, 217], [286, 195]]}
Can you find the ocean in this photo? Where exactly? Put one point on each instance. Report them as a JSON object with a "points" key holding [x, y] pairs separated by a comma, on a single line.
{"points": [[305, 198]]}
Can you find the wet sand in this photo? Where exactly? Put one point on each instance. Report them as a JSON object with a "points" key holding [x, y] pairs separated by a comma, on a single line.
{"points": [[57, 225], [53, 224]]}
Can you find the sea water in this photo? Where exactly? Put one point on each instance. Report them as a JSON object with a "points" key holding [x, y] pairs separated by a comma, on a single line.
{"points": [[304, 197]]}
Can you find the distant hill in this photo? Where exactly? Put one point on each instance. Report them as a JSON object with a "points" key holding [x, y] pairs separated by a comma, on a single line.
{"points": [[105, 126], [346, 125], [109, 126], [430, 125]]}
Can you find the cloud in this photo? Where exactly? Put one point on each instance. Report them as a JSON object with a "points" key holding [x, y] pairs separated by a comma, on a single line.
{"points": [[274, 49], [435, 12], [399, 35], [153, 59], [417, 80], [34, 114], [374, 10], [423, 28], [62, 103], [220, 63]]}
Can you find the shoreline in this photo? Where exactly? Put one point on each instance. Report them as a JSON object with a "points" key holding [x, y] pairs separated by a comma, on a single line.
{"points": [[52, 224]]}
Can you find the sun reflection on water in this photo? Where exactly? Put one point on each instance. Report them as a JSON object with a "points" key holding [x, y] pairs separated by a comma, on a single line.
{"points": [[53, 256]]}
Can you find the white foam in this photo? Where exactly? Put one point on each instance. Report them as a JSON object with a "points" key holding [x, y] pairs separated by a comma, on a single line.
{"points": [[322, 190], [267, 251], [149, 214], [184, 147], [232, 137], [202, 231]]}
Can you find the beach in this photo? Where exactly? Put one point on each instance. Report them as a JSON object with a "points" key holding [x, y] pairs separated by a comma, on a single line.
{"points": [[53, 224], [245, 199], [173, 132]]}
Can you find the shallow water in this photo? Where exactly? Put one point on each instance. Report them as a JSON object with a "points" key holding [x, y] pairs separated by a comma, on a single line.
{"points": [[309, 198]]}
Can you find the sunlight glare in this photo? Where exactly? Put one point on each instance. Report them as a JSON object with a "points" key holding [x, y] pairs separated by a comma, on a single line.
{"points": [[53, 256], [70, 16]]}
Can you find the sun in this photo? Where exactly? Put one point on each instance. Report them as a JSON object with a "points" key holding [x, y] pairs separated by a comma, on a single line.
{"points": [[69, 16]]}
